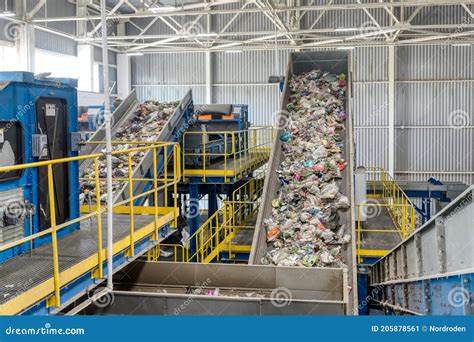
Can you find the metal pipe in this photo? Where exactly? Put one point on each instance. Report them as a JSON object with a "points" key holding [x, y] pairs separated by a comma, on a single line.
{"points": [[108, 146]]}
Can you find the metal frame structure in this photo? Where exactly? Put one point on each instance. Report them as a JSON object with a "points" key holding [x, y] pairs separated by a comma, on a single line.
{"points": [[431, 272], [293, 24], [46, 296]]}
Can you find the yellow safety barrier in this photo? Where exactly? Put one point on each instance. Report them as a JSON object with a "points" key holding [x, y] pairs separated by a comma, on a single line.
{"points": [[394, 200], [242, 152], [178, 252], [216, 234], [60, 279]]}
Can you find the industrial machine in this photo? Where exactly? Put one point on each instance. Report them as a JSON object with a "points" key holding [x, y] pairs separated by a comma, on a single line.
{"points": [[38, 121], [215, 122]]}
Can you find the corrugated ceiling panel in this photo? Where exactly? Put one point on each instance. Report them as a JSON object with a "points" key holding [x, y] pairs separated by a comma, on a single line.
{"points": [[371, 147], [172, 68], [370, 104], [248, 66], [52, 42], [439, 103], [263, 101], [432, 149], [370, 64], [170, 93], [426, 62], [251, 21]]}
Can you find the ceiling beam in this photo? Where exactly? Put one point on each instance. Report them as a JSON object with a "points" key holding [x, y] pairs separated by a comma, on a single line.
{"points": [[333, 7]]}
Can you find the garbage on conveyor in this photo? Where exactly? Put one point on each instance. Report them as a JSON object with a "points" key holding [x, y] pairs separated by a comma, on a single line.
{"points": [[147, 123], [304, 229]]}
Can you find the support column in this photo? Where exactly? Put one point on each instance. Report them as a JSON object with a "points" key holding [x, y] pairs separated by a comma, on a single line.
{"points": [[391, 110], [124, 84], [208, 78], [193, 216], [213, 205], [24, 41], [25, 47], [85, 54], [208, 66]]}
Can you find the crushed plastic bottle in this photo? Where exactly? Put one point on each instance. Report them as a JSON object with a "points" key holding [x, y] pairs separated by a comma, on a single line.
{"points": [[145, 125], [304, 229]]}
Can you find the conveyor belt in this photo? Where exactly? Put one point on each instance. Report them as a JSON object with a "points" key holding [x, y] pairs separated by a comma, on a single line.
{"points": [[335, 62], [120, 116], [171, 132]]}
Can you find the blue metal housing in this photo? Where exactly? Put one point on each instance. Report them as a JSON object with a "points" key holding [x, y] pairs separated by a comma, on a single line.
{"points": [[19, 92]]}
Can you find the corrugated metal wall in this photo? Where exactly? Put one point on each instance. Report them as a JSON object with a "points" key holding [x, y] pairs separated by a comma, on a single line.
{"points": [[434, 86], [49, 41]]}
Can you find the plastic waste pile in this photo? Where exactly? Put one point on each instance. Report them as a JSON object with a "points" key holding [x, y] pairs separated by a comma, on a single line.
{"points": [[304, 229], [145, 126]]}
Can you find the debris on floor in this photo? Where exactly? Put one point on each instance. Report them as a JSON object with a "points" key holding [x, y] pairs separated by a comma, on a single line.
{"points": [[304, 229], [146, 125]]}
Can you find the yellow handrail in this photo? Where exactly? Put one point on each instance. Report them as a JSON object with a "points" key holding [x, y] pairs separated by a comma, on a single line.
{"points": [[216, 233], [155, 147], [394, 199], [245, 148]]}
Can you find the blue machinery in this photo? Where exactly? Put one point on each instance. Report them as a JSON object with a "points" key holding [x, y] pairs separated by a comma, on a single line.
{"points": [[38, 121]]}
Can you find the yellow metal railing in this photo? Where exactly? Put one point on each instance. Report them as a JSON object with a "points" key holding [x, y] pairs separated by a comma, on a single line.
{"points": [[394, 200], [124, 207], [178, 252], [216, 234], [242, 151]]}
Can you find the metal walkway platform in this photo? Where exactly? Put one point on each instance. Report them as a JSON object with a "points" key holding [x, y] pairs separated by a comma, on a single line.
{"points": [[28, 279], [379, 233], [230, 168]]}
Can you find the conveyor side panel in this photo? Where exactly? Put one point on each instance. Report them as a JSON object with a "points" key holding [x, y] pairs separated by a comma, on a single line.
{"points": [[335, 62], [120, 116], [174, 129]]}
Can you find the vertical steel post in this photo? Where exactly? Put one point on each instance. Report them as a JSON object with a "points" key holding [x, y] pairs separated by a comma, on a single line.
{"points": [[54, 237], [99, 218], [108, 145]]}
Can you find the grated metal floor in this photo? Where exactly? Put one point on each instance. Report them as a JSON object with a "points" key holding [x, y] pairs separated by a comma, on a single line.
{"points": [[381, 220], [23, 272]]}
